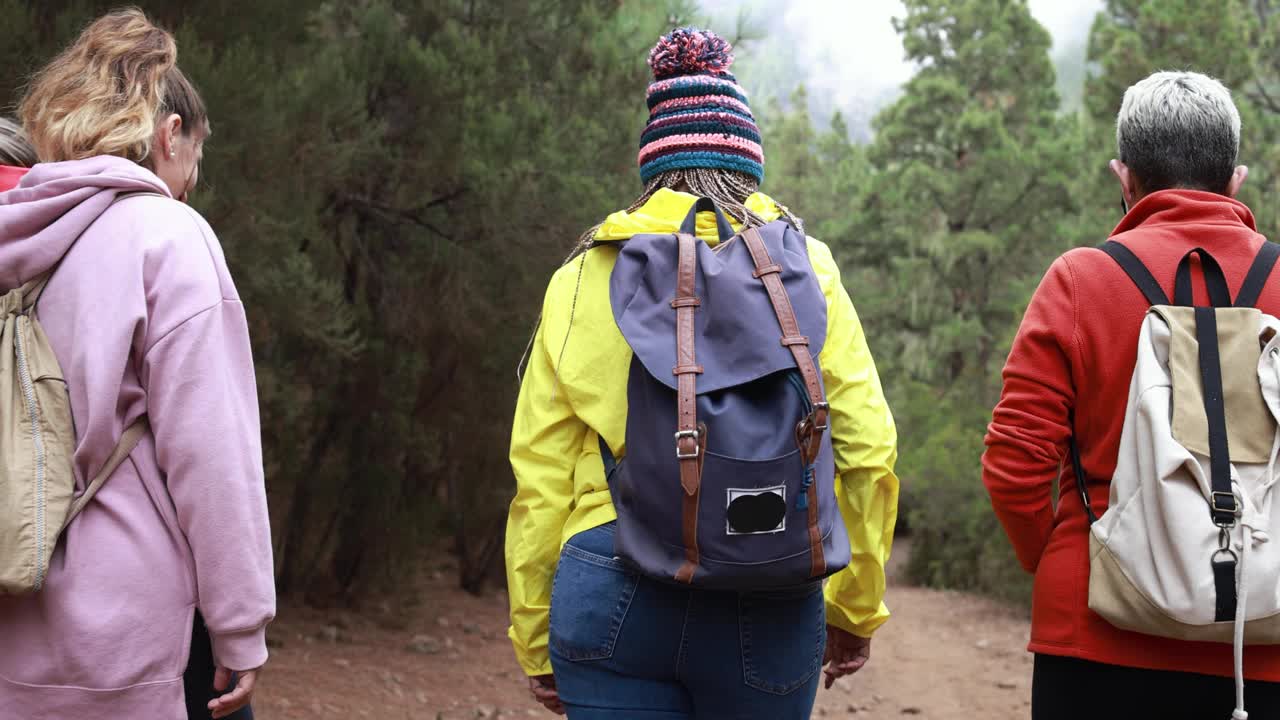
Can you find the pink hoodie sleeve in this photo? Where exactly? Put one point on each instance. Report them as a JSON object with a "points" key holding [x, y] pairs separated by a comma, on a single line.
{"points": [[203, 407]]}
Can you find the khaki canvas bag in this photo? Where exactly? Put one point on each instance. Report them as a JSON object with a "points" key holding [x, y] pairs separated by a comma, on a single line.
{"points": [[37, 446], [1189, 547]]}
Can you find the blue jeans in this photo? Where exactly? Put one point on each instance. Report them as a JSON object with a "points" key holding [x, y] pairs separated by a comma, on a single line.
{"points": [[626, 646]]}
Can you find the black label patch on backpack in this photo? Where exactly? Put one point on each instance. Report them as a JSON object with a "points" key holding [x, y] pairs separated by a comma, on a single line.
{"points": [[756, 511]]}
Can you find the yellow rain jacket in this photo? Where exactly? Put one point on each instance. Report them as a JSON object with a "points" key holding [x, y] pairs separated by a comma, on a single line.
{"points": [[575, 391]]}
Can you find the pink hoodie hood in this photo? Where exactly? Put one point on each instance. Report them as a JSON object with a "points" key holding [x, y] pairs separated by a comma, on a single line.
{"points": [[54, 204], [145, 320]]}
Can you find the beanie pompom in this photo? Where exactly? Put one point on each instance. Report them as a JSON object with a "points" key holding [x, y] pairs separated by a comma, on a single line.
{"points": [[689, 51]]}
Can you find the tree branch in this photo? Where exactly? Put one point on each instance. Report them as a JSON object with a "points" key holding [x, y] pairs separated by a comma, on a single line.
{"points": [[410, 216]]}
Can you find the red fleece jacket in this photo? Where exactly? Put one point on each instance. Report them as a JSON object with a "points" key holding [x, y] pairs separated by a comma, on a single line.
{"points": [[1075, 352], [9, 177]]}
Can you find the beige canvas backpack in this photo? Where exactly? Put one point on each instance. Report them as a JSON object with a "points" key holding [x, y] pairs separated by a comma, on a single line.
{"points": [[1189, 547], [37, 446]]}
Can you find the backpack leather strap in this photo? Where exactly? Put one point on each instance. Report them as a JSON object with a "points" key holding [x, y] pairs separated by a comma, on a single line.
{"points": [[809, 431], [691, 436], [128, 442]]}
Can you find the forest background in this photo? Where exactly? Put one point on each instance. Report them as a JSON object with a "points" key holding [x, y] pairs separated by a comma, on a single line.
{"points": [[394, 181]]}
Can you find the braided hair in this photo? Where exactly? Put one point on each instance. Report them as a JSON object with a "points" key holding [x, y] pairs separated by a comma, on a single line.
{"points": [[729, 190]]}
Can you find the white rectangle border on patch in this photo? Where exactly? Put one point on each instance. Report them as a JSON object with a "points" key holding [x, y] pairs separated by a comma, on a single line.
{"points": [[732, 494]]}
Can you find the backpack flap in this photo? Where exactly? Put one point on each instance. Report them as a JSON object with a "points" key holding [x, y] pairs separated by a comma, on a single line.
{"points": [[725, 345], [1250, 427], [735, 325]]}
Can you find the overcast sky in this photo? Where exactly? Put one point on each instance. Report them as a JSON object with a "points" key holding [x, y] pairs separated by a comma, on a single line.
{"points": [[849, 51]]}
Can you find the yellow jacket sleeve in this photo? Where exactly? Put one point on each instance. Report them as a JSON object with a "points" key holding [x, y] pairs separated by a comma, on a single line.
{"points": [[546, 441], [865, 443]]}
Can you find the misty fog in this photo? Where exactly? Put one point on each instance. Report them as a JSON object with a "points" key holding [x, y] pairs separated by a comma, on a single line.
{"points": [[849, 58]]}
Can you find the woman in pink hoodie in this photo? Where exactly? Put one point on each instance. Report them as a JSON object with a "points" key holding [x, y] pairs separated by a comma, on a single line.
{"points": [[145, 321]]}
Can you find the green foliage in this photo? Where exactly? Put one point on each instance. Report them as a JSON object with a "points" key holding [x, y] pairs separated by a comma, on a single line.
{"points": [[393, 182], [972, 177], [1234, 41], [977, 126], [957, 540]]}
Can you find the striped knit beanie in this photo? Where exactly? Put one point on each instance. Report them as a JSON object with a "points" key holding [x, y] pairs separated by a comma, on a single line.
{"points": [[698, 114]]}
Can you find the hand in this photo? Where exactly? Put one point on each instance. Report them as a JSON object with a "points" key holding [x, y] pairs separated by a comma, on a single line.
{"points": [[846, 654], [544, 691], [233, 698]]}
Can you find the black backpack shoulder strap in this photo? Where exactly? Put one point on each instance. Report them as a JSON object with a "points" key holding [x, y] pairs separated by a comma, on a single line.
{"points": [[1258, 274], [1155, 295], [1136, 271]]}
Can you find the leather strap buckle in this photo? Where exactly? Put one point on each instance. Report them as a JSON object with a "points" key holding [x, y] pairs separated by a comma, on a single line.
{"points": [[696, 436], [825, 410]]}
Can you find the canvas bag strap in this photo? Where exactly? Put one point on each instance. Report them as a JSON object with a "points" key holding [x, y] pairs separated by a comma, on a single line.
{"points": [[1136, 271], [128, 442], [691, 436], [1215, 281], [1155, 295], [1256, 280], [33, 289], [1082, 482], [810, 430]]}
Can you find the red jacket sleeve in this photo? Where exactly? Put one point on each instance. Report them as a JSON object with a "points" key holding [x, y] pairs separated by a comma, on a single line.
{"points": [[1031, 425]]}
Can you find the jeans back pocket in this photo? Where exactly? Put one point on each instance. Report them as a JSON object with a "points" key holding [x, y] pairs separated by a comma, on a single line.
{"points": [[784, 635], [590, 597]]}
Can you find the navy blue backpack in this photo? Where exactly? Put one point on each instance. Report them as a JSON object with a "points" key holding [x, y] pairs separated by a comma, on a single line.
{"points": [[729, 479]]}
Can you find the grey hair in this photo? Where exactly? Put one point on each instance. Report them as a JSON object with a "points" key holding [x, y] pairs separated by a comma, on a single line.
{"points": [[1179, 130], [15, 149]]}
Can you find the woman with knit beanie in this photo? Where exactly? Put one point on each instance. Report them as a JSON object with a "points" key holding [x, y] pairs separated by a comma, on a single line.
{"points": [[596, 638]]}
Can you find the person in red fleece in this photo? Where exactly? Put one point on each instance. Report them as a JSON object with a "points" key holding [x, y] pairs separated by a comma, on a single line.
{"points": [[1068, 374], [16, 154]]}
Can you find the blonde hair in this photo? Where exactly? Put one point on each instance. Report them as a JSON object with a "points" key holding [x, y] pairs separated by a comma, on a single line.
{"points": [[105, 93]]}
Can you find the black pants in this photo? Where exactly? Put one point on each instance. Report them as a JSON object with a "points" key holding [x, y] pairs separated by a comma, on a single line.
{"points": [[198, 679], [1070, 689]]}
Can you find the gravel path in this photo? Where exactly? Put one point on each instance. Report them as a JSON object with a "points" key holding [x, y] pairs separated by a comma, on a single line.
{"points": [[943, 655]]}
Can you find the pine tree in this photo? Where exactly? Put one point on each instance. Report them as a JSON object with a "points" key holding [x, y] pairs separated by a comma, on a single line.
{"points": [[393, 182], [966, 207], [1234, 41]]}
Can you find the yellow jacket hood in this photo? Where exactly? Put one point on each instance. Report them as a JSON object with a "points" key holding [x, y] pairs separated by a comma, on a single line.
{"points": [[664, 212]]}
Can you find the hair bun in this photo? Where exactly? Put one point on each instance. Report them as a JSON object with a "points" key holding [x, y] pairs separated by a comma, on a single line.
{"points": [[690, 51]]}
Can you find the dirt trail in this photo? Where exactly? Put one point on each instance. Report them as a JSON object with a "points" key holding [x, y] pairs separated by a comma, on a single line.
{"points": [[944, 655]]}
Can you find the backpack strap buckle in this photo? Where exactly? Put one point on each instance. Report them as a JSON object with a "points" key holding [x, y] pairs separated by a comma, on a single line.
{"points": [[821, 416], [696, 437], [1225, 511]]}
